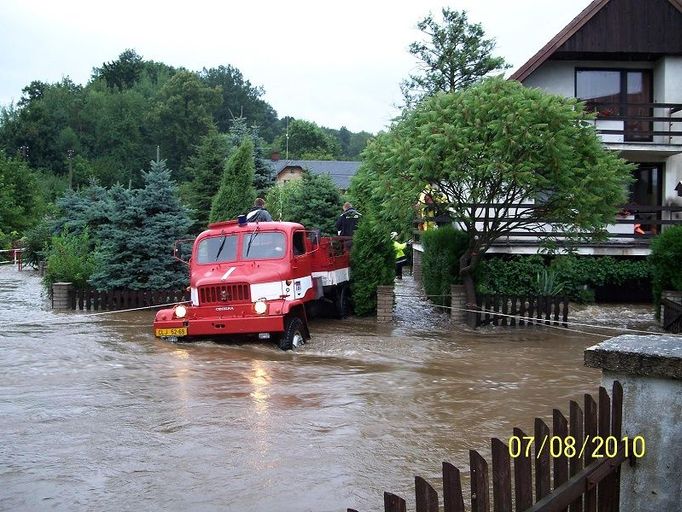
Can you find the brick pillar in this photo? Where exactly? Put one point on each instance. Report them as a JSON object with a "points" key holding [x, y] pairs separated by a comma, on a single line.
{"points": [[61, 295], [650, 370], [458, 302], [417, 264], [385, 298]]}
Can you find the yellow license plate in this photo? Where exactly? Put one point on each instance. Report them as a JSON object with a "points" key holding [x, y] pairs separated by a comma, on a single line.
{"points": [[175, 331]]}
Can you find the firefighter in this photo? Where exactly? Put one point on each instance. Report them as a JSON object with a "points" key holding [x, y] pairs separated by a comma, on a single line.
{"points": [[348, 220], [258, 213], [400, 258]]}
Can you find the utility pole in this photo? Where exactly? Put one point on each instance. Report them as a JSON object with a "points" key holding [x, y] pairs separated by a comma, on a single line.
{"points": [[287, 149], [158, 153]]}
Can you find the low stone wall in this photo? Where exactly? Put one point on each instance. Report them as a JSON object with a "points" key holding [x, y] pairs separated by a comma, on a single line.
{"points": [[458, 303], [385, 301]]}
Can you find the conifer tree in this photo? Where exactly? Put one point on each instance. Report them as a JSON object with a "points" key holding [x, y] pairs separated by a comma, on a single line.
{"points": [[136, 252], [206, 167], [373, 264], [236, 194], [263, 178]]}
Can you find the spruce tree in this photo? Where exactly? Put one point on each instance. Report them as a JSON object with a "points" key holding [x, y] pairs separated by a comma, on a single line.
{"points": [[236, 194], [137, 249], [263, 178], [206, 168]]}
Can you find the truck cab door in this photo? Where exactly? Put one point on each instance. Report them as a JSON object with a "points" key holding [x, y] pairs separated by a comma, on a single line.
{"points": [[300, 265]]}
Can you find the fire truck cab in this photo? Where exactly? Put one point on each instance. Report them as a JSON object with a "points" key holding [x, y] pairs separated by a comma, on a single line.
{"points": [[259, 279]]}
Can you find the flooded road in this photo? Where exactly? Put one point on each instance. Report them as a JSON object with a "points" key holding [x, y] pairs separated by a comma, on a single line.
{"points": [[97, 414]]}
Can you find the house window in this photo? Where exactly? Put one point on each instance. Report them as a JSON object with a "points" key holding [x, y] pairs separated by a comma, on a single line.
{"points": [[619, 95]]}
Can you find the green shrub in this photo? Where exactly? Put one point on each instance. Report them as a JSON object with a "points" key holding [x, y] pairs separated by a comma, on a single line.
{"points": [[509, 276], [443, 248], [69, 260], [36, 243], [372, 264], [666, 261], [573, 276]]}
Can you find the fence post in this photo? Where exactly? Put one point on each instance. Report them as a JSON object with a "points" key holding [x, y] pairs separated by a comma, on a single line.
{"points": [[650, 370], [385, 299], [458, 303], [61, 295]]}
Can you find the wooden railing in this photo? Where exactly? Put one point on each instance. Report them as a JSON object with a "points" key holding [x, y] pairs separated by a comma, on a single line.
{"points": [[94, 300], [638, 122], [547, 475], [515, 310]]}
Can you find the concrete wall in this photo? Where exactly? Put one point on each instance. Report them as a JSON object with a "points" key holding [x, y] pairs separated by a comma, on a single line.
{"points": [[650, 370], [653, 409]]}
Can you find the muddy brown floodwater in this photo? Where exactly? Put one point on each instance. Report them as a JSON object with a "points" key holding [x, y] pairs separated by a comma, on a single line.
{"points": [[97, 414]]}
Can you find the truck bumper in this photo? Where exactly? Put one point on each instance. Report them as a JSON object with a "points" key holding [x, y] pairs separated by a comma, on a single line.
{"points": [[216, 326]]}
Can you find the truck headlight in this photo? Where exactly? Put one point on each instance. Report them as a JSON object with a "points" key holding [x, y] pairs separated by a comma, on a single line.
{"points": [[180, 311], [260, 306]]}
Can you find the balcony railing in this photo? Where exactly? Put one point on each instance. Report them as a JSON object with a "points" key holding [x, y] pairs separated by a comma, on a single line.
{"points": [[635, 224], [647, 123]]}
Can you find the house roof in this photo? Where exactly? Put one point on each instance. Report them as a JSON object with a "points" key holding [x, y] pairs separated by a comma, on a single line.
{"points": [[340, 171], [567, 39]]}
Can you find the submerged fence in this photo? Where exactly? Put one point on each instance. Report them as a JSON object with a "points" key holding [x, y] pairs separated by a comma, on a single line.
{"points": [[575, 467], [514, 310], [94, 300], [672, 316]]}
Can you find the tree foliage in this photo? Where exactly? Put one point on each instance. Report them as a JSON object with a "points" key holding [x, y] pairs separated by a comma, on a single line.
{"points": [[136, 246], [236, 193], [454, 55], [313, 201], [666, 256], [500, 143], [307, 141], [69, 259], [440, 262], [20, 206], [122, 73]]}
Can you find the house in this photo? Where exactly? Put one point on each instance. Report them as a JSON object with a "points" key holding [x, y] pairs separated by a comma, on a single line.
{"points": [[340, 172], [623, 58]]}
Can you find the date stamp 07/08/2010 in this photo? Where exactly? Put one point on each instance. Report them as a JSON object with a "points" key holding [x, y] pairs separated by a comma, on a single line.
{"points": [[596, 447]]}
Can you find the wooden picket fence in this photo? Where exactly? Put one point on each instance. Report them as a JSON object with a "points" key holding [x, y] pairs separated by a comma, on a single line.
{"points": [[545, 478], [517, 310], [95, 300]]}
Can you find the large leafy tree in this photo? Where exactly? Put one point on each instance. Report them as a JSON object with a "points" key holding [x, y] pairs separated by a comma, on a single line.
{"points": [[20, 206], [504, 144], [306, 140], [236, 194], [454, 54], [122, 73], [136, 250], [182, 115], [240, 99]]}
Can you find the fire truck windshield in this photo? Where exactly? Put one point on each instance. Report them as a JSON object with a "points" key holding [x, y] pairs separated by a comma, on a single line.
{"points": [[217, 249], [265, 246]]}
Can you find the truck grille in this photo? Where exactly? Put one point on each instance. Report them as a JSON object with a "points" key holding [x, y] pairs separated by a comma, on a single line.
{"points": [[219, 294]]}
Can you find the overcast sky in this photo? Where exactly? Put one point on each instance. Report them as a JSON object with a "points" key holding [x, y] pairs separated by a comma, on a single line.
{"points": [[335, 63]]}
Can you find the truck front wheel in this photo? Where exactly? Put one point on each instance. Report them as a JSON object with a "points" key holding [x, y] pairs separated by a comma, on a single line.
{"points": [[293, 335]]}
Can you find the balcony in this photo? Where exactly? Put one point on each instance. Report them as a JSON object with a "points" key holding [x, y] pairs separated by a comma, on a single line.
{"points": [[644, 126], [630, 234]]}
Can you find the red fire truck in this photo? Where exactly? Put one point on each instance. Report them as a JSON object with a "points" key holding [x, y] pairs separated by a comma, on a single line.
{"points": [[261, 279]]}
